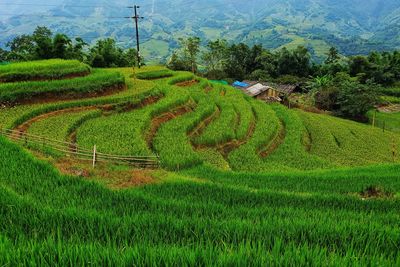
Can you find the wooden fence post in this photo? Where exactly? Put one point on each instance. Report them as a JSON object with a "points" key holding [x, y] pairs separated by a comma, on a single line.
{"points": [[373, 119], [394, 149], [94, 156]]}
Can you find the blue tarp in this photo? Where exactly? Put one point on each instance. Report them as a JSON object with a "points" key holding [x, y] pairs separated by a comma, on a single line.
{"points": [[240, 84]]}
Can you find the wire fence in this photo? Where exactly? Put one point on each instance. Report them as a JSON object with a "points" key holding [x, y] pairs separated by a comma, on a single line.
{"points": [[84, 154]]}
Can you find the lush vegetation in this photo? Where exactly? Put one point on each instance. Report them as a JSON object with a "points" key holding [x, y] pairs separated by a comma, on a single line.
{"points": [[158, 74], [385, 121], [347, 86], [98, 82], [42, 70], [59, 127], [277, 207], [220, 220], [43, 44], [344, 141]]}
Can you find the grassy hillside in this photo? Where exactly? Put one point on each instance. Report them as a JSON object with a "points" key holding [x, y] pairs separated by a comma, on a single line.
{"points": [[62, 79], [241, 182], [245, 134], [219, 219], [43, 70]]}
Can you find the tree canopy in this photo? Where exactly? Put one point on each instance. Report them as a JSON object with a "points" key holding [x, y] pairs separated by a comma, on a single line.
{"points": [[43, 44]]}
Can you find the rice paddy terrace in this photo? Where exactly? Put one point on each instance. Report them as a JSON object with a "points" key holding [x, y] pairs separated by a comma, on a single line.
{"points": [[239, 182]]}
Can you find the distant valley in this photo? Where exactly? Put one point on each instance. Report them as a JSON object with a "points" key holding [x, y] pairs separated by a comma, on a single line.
{"points": [[354, 27]]}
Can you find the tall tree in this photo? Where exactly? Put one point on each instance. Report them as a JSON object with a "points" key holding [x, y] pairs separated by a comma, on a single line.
{"points": [[76, 50], [22, 48], [42, 37], [3, 55], [191, 48], [236, 66], [333, 56], [216, 55], [268, 62], [61, 46]]}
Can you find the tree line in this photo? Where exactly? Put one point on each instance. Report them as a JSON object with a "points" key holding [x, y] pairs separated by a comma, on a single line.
{"points": [[43, 44]]}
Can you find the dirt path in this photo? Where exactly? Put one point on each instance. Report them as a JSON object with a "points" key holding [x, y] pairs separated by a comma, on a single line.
{"points": [[163, 118], [276, 141], [115, 179], [59, 96], [307, 140], [226, 148], [198, 130], [395, 108], [187, 83], [25, 126], [129, 107]]}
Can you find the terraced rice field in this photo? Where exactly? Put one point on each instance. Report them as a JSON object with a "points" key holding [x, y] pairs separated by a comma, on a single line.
{"points": [[241, 182]]}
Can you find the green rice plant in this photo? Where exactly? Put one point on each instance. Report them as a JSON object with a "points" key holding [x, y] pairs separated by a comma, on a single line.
{"points": [[172, 142], [246, 157], [11, 117], [244, 110], [213, 158], [52, 69], [347, 181], [59, 127], [291, 153], [348, 143], [390, 99], [157, 74], [203, 217], [124, 133], [221, 129], [98, 82], [391, 91], [235, 117], [181, 77]]}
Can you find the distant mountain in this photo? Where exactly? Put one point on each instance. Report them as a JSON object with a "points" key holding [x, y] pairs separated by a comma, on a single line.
{"points": [[354, 26]]}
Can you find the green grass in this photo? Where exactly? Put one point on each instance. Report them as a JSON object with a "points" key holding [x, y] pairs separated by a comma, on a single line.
{"points": [[221, 129], [390, 99], [150, 75], [349, 143], [98, 82], [389, 121], [221, 220], [53, 69], [59, 127], [13, 116], [391, 91], [298, 205], [246, 157], [127, 130]]}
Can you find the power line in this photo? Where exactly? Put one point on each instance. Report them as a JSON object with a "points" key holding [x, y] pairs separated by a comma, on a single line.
{"points": [[98, 6], [81, 6], [136, 18], [59, 16]]}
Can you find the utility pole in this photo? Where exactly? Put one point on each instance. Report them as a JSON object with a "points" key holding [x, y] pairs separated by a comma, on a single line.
{"points": [[136, 18]]}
